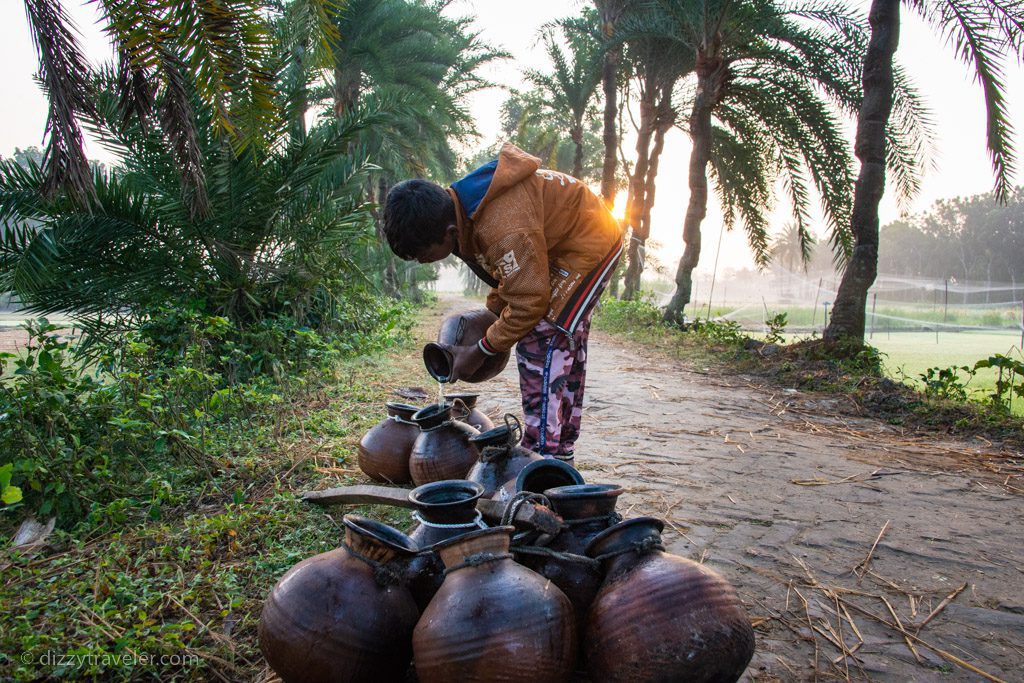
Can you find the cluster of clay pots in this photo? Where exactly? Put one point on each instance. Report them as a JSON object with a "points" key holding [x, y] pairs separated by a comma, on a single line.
{"points": [[458, 600], [421, 445]]}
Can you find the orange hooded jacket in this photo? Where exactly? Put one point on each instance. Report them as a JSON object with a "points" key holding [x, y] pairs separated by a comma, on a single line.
{"points": [[540, 238]]}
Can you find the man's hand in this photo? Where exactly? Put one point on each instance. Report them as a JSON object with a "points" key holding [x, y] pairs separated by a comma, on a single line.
{"points": [[467, 360]]}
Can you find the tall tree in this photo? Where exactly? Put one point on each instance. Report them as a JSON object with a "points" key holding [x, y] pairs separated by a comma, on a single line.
{"points": [[610, 12], [656, 65], [168, 51], [982, 32], [768, 81], [572, 83]]}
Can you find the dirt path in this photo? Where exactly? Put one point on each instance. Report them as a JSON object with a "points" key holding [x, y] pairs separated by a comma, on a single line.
{"points": [[786, 496]]}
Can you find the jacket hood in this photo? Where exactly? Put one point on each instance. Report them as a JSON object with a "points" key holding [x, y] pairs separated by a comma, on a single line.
{"points": [[477, 189]]}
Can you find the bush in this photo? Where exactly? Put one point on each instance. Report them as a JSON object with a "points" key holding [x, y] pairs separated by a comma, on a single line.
{"points": [[92, 442]]}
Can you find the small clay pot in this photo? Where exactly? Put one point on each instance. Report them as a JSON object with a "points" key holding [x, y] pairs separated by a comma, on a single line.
{"points": [[501, 456], [442, 449], [384, 450], [659, 617], [492, 619], [344, 615], [444, 510], [476, 419], [539, 476], [462, 329]]}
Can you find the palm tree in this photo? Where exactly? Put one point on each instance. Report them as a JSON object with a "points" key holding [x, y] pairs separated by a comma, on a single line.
{"points": [[982, 31], [610, 12], [163, 50], [572, 84], [767, 81], [658, 64], [281, 236]]}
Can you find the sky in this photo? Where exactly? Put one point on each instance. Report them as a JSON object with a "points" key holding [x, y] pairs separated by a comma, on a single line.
{"points": [[961, 164]]}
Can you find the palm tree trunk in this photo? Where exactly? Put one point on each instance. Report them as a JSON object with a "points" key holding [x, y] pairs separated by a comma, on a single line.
{"points": [[849, 312], [610, 11], [577, 139], [709, 78], [635, 200]]}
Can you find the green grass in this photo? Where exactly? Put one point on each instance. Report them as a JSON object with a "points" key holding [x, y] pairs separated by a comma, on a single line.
{"points": [[189, 585]]}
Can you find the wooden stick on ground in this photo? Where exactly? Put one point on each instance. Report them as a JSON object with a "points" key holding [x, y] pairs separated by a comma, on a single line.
{"points": [[942, 605], [863, 566]]}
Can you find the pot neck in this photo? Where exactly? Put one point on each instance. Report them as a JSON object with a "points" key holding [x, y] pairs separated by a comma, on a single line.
{"points": [[620, 546], [476, 548]]}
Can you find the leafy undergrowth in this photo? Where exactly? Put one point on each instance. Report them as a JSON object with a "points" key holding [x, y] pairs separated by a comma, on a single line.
{"points": [[125, 596], [811, 366]]}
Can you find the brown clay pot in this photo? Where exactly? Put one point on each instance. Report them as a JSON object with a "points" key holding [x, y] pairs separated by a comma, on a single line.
{"points": [[659, 617], [462, 329], [586, 510], [493, 620], [444, 510], [501, 456], [384, 450], [442, 449], [539, 476], [344, 615], [476, 419]]}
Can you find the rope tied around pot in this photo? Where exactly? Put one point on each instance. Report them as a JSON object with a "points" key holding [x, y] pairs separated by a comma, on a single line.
{"points": [[611, 519], [477, 559], [384, 573], [640, 547], [402, 420], [517, 501], [539, 551], [476, 523], [515, 435]]}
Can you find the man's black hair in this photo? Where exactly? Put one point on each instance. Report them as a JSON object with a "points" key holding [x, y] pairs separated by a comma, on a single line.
{"points": [[416, 215]]}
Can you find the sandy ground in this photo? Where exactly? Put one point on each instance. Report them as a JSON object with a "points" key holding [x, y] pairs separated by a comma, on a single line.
{"points": [[841, 534]]}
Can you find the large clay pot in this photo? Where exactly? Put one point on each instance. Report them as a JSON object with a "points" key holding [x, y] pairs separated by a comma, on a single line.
{"points": [[586, 510], [538, 477], [462, 329], [493, 620], [344, 615], [444, 510], [659, 617], [384, 450], [501, 456], [476, 418], [442, 449]]}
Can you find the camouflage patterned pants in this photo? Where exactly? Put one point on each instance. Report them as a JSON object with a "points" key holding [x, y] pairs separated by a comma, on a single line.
{"points": [[552, 373]]}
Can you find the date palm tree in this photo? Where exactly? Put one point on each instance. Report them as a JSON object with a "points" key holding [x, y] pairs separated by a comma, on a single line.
{"points": [[769, 80], [169, 54], [982, 32], [571, 85]]}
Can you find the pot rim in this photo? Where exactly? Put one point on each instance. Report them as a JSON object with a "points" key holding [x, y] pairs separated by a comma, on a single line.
{"points": [[388, 535], [416, 496], [617, 528], [565, 467], [578, 491], [434, 411]]}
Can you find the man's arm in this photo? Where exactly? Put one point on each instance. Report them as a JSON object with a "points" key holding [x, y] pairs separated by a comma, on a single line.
{"points": [[525, 287], [495, 304]]}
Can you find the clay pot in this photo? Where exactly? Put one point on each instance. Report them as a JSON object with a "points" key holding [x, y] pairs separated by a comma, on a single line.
{"points": [[442, 449], [462, 329], [444, 510], [493, 620], [476, 418], [384, 450], [539, 476], [659, 617], [344, 615], [586, 510], [501, 456]]}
